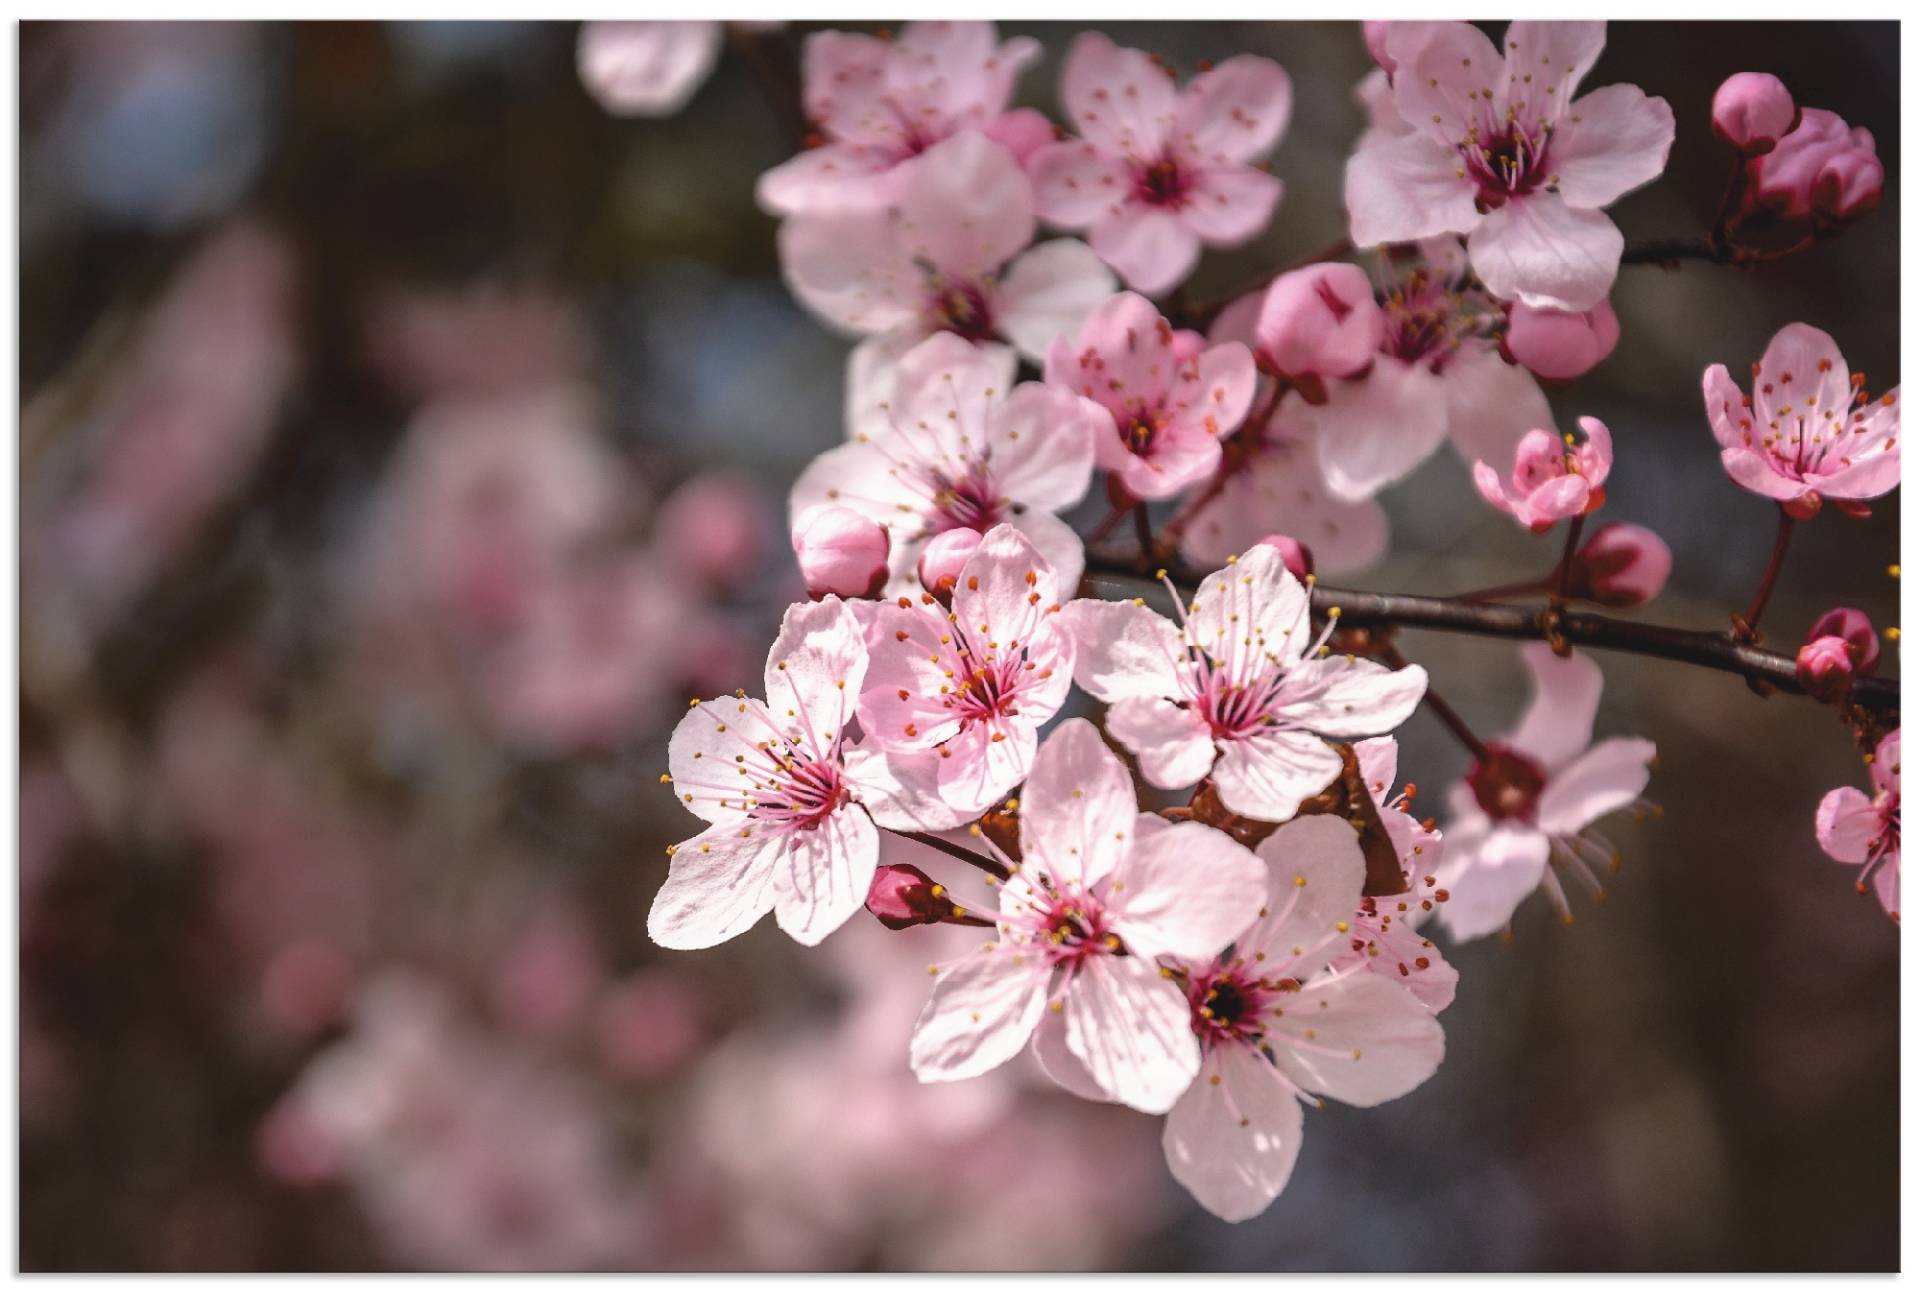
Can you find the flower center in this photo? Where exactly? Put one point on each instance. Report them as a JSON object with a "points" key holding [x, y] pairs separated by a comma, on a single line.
{"points": [[1229, 1005], [803, 794], [1507, 783], [970, 502], [1507, 161], [1162, 184], [964, 310]]}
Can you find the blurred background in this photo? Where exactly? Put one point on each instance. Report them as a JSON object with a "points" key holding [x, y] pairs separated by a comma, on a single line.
{"points": [[404, 439]]}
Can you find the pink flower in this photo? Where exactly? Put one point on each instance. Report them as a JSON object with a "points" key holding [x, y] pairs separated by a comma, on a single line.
{"points": [[1621, 565], [1822, 172], [1808, 431], [1861, 831], [646, 69], [1439, 375], [1560, 344], [1166, 414], [792, 807], [1552, 479], [1242, 678], [1320, 321], [1386, 936], [714, 528], [1101, 891], [1841, 646], [1855, 629], [960, 446], [881, 104], [1279, 1025], [1501, 151], [1534, 800], [841, 553], [973, 685], [1293, 553], [1753, 111], [1157, 171], [951, 255]]}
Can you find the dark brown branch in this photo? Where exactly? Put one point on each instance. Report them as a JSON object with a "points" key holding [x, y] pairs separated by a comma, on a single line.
{"points": [[1528, 623], [991, 865]]}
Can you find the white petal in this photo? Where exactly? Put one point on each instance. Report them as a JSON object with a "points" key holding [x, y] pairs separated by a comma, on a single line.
{"points": [[1173, 746], [1488, 879], [983, 1008], [1049, 291], [1558, 723], [1402, 188], [1133, 1030], [1266, 776], [1343, 696], [852, 268], [1184, 890], [1490, 405], [1124, 651], [822, 875], [1357, 1037], [1540, 250], [1373, 432], [1616, 139], [900, 791], [718, 885], [1040, 443], [814, 671], [1232, 1143], [1061, 1064], [1315, 871], [1605, 779], [1077, 813]]}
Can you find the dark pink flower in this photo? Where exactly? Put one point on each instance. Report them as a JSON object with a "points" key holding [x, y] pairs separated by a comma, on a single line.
{"points": [[1753, 111], [1621, 565], [1823, 171], [1553, 478], [1863, 831], [1561, 344]]}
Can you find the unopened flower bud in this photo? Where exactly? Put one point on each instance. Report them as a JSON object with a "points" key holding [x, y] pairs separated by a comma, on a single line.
{"points": [[1297, 555], [1621, 565], [1825, 668], [1559, 344], [1321, 321], [1376, 37], [903, 896], [1753, 111], [841, 552], [1823, 170], [944, 556], [1853, 627]]}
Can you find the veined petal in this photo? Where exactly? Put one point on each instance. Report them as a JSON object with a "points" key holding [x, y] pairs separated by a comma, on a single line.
{"points": [[1235, 111], [1344, 696], [1402, 188], [1077, 813], [1173, 745], [1061, 1064], [1605, 779], [1541, 250], [815, 670], [1049, 291], [1615, 139], [1233, 1137], [983, 1008], [1184, 890], [1357, 1037], [1042, 447], [1118, 98], [1123, 651], [1315, 871], [821, 875], [1846, 825], [719, 884], [1267, 776], [1132, 1029]]}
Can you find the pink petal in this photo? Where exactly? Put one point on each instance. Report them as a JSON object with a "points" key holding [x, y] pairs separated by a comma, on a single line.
{"points": [[1373, 432], [1885, 770], [1756, 472], [1077, 813], [1615, 140], [852, 269], [1558, 723], [1119, 99], [844, 75], [700, 751], [1285, 490], [1076, 184], [1220, 391], [832, 177], [815, 670], [1343, 696], [1232, 1169], [1124, 651], [983, 1008], [981, 770], [1150, 247], [944, 375], [1235, 111], [1404, 188], [1179, 458], [1056, 540], [1061, 1064], [1487, 878], [1227, 206], [1546, 61], [1049, 292], [966, 207], [1131, 1028], [1267, 776], [1006, 590], [1542, 251], [718, 884], [822, 875], [1184, 890], [1727, 410], [1379, 759], [1042, 447], [1490, 404], [900, 791], [1805, 370], [647, 69], [1257, 596], [1605, 779], [904, 678], [873, 372], [1173, 745], [1315, 872], [1846, 825], [1372, 1040], [1442, 67]]}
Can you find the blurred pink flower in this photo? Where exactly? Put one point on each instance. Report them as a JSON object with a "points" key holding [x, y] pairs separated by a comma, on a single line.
{"points": [[1553, 479], [1860, 831], [646, 69], [649, 1023], [1526, 811], [1157, 171], [714, 528], [1321, 321], [1166, 415], [549, 973], [490, 340]]}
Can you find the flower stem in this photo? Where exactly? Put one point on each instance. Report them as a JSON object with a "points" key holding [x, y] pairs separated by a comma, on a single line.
{"points": [[978, 859], [1565, 575], [1449, 716], [1748, 626]]}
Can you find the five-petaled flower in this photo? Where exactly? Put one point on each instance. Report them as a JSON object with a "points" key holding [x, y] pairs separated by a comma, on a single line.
{"points": [[1241, 677], [960, 446], [793, 807], [1526, 811], [1101, 891], [1552, 479], [1280, 1023], [1808, 430], [1865, 831], [1168, 401], [972, 684], [1500, 150], [1157, 171]]}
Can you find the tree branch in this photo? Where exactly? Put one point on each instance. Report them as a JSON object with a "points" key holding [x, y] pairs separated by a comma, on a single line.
{"points": [[1719, 651]]}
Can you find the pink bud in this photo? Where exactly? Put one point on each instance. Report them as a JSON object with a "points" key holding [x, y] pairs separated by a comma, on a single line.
{"points": [[1621, 565], [1822, 170], [1376, 38], [1853, 627], [841, 552], [1558, 344], [1753, 111], [902, 896], [1297, 555], [1320, 321], [1825, 668], [944, 556], [713, 527]]}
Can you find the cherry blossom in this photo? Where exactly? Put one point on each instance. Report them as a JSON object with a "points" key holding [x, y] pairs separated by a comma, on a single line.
{"points": [[646, 69], [1501, 151], [1552, 479], [1860, 831], [1525, 813], [1386, 936], [1439, 375], [880, 104], [1822, 172], [840, 552], [974, 684], [960, 446], [1809, 430], [1101, 891], [1241, 679], [1166, 412], [792, 805], [1620, 565], [1157, 171], [1753, 111], [1281, 1024], [951, 255], [1561, 344]]}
